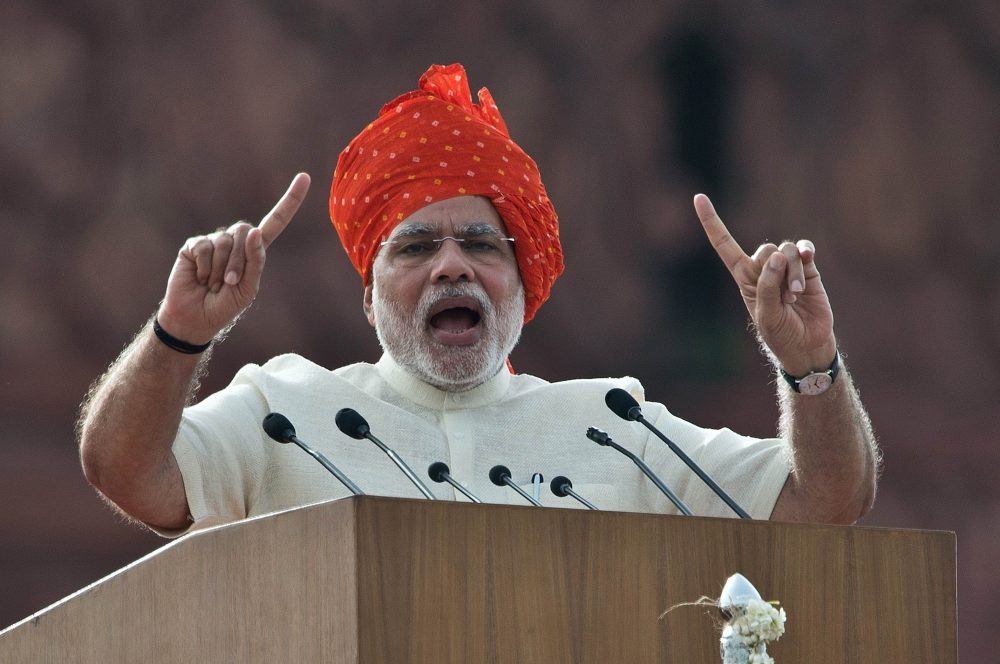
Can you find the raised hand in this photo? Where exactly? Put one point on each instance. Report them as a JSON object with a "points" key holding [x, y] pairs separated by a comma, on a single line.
{"points": [[783, 292], [217, 276]]}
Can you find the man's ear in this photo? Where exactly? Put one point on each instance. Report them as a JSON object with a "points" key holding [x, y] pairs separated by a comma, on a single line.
{"points": [[366, 304]]}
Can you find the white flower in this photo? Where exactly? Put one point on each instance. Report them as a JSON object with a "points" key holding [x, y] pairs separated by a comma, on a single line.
{"points": [[758, 622]]}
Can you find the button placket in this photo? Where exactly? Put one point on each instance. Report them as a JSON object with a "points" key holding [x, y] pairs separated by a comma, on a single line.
{"points": [[461, 447]]}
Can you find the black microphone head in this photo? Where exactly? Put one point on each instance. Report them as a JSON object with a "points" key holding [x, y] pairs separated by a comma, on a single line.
{"points": [[350, 422], [622, 404], [598, 436], [559, 486], [278, 427], [498, 474], [438, 470]]}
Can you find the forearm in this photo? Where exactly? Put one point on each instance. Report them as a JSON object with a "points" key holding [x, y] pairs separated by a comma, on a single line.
{"points": [[127, 427], [833, 453]]}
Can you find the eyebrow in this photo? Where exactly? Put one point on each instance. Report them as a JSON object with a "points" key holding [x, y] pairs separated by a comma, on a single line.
{"points": [[412, 230], [423, 230], [479, 228]]}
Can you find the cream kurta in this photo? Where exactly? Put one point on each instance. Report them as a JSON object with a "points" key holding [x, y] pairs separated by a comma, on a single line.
{"points": [[232, 469]]}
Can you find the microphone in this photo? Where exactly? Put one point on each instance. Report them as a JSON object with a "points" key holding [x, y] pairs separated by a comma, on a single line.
{"points": [[280, 429], [500, 475], [602, 438], [627, 408], [350, 422], [622, 404], [439, 472], [562, 487]]}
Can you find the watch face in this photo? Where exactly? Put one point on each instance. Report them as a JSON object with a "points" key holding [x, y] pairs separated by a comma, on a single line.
{"points": [[816, 383]]}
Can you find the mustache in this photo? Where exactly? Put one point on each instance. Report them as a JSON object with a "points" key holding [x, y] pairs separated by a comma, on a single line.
{"points": [[431, 298]]}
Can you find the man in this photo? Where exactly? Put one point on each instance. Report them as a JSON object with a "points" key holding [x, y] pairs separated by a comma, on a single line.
{"points": [[449, 225]]}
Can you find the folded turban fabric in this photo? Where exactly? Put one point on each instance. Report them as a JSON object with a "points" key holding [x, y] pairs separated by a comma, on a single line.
{"points": [[432, 144]]}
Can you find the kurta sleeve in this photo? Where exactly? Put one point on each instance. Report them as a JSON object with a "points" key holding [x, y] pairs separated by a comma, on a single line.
{"points": [[220, 453]]}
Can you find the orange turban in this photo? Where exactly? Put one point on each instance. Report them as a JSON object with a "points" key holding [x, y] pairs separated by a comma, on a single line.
{"points": [[432, 144]]}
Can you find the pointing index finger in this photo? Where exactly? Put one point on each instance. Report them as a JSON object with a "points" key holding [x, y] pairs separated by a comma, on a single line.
{"points": [[724, 244], [281, 215]]}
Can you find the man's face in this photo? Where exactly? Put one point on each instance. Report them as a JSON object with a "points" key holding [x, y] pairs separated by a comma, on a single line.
{"points": [[449, 312]]}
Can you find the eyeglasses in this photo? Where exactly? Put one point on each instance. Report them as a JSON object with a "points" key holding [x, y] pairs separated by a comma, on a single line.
{"points": [[481, 248]]}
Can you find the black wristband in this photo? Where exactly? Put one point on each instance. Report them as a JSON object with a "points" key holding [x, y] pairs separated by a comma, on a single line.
{"points": [[177, 344]]}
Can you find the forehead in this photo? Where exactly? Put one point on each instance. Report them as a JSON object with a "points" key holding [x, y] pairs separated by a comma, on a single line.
{"points": [[452, 215]]}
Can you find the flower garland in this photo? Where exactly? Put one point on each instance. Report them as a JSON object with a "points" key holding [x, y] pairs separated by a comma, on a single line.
{"points": [[755, 624], [749, 624]]}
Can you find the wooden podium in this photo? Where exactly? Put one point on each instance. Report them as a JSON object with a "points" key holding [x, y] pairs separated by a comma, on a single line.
{"points": [[386, 580]]}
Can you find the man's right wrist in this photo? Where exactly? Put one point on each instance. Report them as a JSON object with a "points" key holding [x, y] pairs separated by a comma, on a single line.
{"points": [[179, 345]]}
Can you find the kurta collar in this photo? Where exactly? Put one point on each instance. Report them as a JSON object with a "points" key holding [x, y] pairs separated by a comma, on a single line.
{"points": [[429, 396]]}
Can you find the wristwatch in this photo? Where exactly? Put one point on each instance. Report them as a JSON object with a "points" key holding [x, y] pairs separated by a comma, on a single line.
{"points": [[815, 383]]}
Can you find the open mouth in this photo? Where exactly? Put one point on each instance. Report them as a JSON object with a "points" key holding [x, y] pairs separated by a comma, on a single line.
{"points": [[455, 321]]}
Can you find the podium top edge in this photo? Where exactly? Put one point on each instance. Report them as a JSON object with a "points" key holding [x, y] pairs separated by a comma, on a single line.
{"points": [[352, 503]]}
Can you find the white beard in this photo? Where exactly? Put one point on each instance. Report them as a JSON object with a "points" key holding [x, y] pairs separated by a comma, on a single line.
{"points": [[404, 336]]}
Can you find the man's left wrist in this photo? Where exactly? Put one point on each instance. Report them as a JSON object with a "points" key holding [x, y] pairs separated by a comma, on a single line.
{"points": [[814, 382]]}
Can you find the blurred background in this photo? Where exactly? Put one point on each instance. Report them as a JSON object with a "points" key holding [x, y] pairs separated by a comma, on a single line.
{"points": [[870, 128]]}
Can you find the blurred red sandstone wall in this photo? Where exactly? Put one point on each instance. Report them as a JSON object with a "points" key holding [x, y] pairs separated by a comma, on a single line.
{"points": [[872, 130]]}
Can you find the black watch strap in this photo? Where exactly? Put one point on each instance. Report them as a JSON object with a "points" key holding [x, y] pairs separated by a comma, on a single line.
{"points": [[817, 382]]}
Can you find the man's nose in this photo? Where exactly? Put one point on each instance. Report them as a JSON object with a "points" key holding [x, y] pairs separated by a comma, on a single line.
{"points": [[451, 264]]}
